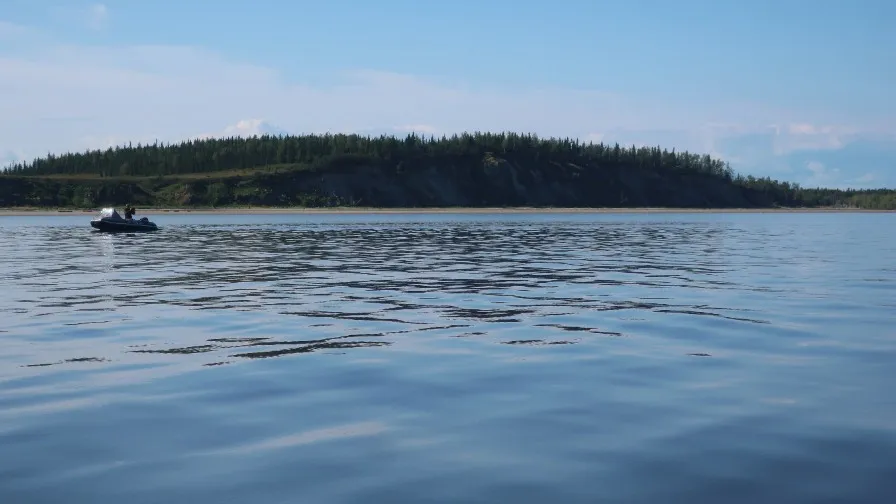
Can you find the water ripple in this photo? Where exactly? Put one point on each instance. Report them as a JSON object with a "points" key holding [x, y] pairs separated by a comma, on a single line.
{"points": [[455, 358]]}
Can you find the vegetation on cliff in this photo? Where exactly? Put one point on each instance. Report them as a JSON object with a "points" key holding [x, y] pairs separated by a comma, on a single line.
{"points": [[481, 169]]}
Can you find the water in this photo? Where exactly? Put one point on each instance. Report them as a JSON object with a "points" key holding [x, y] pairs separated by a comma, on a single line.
{"points": [[450, 358]]}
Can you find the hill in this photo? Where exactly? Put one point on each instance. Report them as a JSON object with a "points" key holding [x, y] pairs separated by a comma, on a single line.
{"points": [[481, 169]]}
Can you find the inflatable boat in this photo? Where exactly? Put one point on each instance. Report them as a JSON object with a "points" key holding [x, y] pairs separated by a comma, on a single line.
{"points": [[110, 220]]}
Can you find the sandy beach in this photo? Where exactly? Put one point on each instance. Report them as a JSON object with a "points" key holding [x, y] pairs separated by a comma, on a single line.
{"points": [[19, 212]]}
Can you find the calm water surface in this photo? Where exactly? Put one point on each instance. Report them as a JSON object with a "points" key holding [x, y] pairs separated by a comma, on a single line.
{"points": [[450, 358]]}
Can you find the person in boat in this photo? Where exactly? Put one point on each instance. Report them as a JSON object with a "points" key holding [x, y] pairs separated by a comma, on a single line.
{"points": [[129, 211]]}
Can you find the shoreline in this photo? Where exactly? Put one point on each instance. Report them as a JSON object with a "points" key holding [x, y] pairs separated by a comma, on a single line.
{"points": [[24, 212]]}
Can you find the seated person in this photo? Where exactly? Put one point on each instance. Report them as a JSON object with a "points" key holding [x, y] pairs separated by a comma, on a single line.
{"points": [[129, 211]]}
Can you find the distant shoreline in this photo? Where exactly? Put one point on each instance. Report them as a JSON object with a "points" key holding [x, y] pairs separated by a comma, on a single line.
{"points": [[23, 212]]}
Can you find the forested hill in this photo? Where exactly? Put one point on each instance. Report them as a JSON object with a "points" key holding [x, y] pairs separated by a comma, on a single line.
{"points": [[481, 169]]}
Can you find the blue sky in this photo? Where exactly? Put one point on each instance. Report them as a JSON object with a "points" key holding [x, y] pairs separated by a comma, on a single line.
{"points": [[795, 89]]}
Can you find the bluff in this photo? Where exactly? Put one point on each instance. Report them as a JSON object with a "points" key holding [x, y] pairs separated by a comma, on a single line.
{"points": [[348, 170], [460, 181]]}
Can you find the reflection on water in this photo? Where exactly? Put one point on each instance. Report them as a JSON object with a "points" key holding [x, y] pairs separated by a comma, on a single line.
{"points": [[523, 358], [321, 280]]}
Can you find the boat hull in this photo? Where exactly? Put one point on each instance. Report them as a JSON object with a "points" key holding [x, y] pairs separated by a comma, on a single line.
{"points": [[122, 226]]}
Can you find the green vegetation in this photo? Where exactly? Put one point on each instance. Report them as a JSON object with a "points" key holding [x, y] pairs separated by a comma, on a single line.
{"points": [[481, 169]]}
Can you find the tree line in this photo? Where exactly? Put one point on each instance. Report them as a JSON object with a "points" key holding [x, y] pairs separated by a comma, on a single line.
{"points": [[235, 153], [310, 151]]}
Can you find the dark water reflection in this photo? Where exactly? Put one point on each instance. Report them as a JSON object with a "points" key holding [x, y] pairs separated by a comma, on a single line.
{"points": [[696, 358]]}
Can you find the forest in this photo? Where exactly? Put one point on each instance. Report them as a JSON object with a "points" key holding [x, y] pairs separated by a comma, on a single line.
{"points": [[470, 169]]}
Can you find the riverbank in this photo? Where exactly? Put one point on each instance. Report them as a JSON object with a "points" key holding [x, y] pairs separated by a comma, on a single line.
{"points": [[14, 212]]}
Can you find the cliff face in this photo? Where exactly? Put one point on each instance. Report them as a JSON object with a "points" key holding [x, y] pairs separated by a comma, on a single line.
{"points": [[358, 181], [498, 182], [42, 192], [478, 169]]}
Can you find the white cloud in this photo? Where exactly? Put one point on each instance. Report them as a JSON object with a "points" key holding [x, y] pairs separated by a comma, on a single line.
{"points": [[246, 128], [803, 136], [805, 129], [821, 175], [824, 176], [781, 139], [58, 97], [173, 93], [12, 30], [417, 128], [594, 138], [9, 158], [93, 16], [867, 178], [253, 127], [816, 168], [97, 15]]}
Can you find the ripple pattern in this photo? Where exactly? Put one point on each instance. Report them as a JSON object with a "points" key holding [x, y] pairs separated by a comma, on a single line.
{"points": [[523, 358]]}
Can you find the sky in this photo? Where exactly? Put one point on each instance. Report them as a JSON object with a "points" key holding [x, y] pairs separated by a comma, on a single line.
{"points": [[796, 90]]}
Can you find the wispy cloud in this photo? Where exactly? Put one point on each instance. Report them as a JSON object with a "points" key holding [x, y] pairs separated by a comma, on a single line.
{"points": [[246, 128], [595, 138], [821, 175], [97, 15], [93, 16], [825, 176], [803, 136], [112, 95], [9, 158], [12, 31], [418, 128]]}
